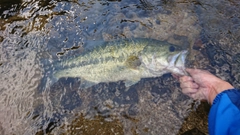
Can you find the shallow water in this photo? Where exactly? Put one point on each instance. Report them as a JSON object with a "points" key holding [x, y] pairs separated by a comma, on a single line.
{"points": [[33, 34]]}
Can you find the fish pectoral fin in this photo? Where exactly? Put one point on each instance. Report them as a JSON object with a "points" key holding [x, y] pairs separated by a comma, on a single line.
{"points": [[86, 84], [133, 62], [129, 83]]}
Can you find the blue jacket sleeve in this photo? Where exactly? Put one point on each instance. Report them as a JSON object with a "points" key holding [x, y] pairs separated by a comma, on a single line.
{"points": [[224, 117]]}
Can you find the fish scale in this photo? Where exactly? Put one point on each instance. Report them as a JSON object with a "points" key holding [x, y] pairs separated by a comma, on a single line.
{"points": [[110, 51], [128, 60]]}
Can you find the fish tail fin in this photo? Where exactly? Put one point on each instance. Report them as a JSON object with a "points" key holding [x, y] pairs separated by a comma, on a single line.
{"points": [[48, 78], [47, 81]]}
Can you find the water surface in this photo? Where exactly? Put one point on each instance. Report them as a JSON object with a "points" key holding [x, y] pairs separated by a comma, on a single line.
{"points": [[33, 34]]}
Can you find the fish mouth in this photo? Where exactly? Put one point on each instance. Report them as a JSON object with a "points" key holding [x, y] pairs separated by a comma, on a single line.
{"points": [[181, 57], [177, 63], [180, 62]]}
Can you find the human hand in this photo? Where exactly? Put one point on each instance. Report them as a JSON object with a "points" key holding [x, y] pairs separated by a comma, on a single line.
{"points": [[202, 85]]}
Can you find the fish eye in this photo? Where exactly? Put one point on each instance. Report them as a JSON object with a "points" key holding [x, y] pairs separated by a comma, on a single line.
{"points": [[171, 48]]}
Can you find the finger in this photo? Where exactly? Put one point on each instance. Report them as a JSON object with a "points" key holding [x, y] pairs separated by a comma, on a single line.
{"points": [[189, 84], [193, 96], [196, 74], [189, 90], [198, 96], [176, 76], [185, 78], [190, 95], [192, 71]]}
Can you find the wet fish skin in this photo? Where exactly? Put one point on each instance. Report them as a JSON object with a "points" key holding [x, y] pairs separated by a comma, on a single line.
{"points": [[128, 59]]}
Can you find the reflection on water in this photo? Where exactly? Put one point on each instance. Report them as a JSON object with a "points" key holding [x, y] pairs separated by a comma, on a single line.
{"points": [[33, 32]]}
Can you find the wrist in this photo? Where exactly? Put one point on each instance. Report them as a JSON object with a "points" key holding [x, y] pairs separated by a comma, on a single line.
{"points": [[223, 86], [215, 90]]}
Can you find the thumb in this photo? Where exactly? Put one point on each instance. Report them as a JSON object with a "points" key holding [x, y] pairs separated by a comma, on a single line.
{"points": [[192, 71], [196, 74]]}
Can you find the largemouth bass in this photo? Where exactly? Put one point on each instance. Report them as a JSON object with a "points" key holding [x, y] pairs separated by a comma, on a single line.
{"points": [[128, 60]]}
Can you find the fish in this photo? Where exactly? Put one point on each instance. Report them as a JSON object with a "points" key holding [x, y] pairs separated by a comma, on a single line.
{"points": [[127, 60]]}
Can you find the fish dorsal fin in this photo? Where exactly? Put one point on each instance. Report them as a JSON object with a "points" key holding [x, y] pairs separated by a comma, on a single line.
{"points": [[129, 83], [133, 62], [86, 84]]}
